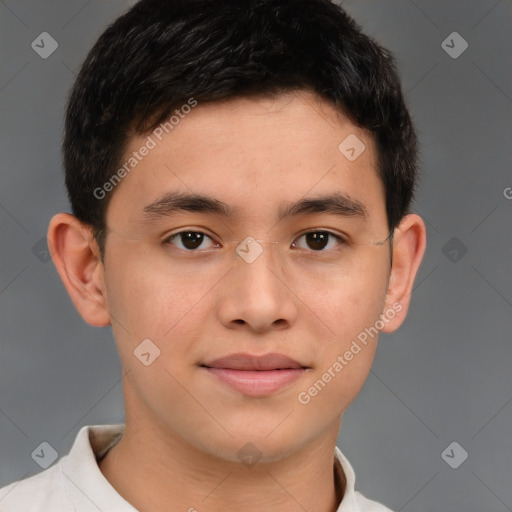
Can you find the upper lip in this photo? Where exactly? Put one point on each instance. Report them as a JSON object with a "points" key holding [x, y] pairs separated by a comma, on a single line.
{"points": [[240, 361]]}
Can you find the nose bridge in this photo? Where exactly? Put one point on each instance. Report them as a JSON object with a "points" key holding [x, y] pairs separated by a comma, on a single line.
{"points": [[256, 260], [257, 294], [251, 249]]}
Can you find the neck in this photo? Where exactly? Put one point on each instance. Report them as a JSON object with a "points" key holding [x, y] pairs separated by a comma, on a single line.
{"points": [[151, 471]]}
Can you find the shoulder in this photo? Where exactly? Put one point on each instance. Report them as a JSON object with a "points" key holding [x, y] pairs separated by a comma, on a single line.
{"points": [[38, 493], [71, 481]]}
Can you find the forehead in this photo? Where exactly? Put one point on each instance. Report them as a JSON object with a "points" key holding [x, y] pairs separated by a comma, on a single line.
{"points": [[253, 154]]}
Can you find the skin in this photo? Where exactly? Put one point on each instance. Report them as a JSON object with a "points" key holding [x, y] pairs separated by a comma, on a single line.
{"points": [[184, 427]]}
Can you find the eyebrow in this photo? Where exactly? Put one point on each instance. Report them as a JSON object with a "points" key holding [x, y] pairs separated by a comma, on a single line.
{"points": [[334, 204]]}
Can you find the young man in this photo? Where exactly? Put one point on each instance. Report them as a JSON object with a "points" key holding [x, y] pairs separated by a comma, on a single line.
{"points": [[240, 174]]}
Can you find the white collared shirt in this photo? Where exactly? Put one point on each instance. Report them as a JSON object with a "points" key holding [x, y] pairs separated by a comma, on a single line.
{"points": [[75, 482]]}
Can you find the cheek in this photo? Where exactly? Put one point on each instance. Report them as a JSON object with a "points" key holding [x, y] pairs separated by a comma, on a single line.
{"points": [[351, 308], [344, 358], [148, 299], [349, 305]]}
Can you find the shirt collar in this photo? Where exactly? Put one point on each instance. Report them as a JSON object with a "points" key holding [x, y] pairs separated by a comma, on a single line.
{"points": [[342, 465], [89, 490], [83, 480]]}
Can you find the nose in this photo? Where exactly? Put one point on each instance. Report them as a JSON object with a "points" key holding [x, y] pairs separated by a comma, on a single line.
{"points": [[255, 294]]}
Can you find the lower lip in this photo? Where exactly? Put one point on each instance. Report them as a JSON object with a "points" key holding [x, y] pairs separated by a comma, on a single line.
{"points": [[257, 383]]}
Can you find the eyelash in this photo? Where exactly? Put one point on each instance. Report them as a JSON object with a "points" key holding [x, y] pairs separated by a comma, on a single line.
{"points": [[339, 238]]}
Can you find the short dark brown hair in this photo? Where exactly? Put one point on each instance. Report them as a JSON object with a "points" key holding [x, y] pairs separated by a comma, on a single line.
{"points": [[161, 53]]}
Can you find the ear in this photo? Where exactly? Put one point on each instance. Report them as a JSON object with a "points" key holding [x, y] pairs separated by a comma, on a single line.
{"points": [[409, 242], [75, 253]]}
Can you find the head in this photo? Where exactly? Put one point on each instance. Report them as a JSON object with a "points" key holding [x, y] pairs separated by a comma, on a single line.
{"points": [[213, 118]]}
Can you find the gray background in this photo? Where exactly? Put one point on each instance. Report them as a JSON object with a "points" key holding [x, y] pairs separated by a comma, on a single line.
{"points": [[443, 377]]}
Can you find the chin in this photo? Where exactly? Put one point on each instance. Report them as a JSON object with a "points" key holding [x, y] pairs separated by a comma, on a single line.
{"points": [[255, 445]]}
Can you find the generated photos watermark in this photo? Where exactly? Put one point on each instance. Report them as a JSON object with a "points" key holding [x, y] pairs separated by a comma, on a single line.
{"points": [[304, 397], [151, 142]]}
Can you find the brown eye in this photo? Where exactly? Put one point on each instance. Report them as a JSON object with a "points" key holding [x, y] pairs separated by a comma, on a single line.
{"points": [[190, 240], [318, 240]]}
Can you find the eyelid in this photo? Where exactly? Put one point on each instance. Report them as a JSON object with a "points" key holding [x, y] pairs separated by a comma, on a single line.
{"points": [[342, 240], [341, 237], [186, 229], [169, 238]]}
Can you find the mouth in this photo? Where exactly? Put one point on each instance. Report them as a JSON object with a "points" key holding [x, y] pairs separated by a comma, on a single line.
{"points": [[255, 376], [272, 361]]}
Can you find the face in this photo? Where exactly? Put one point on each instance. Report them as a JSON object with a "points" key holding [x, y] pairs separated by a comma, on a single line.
{"points": [[172, 273]]}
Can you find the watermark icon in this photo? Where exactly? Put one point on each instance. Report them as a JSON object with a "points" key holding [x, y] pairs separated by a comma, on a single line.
{"points": [[44, 45], [454, 455], [454, 250], [45, 455], [146, 352], [40, 250], [507, 192], [352, 147], [249, 454], [304, 397], [151, 142], [454, 45], [249, 249]]}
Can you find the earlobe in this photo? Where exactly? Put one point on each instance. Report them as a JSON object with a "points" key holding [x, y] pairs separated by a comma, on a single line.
{"points": [[76, 256], [408, 249]]}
